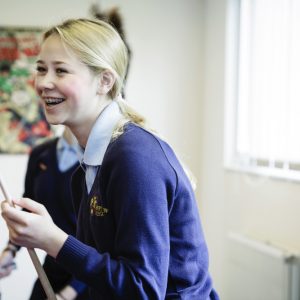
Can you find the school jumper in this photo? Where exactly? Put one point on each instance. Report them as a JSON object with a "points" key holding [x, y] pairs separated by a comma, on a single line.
{"points": [[139, 235]]}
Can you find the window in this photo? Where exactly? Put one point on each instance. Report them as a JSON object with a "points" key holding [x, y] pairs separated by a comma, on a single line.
{"points": [[263, 87]]}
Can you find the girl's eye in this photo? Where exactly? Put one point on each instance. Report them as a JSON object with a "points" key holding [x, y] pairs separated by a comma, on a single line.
{"points": [[40, 69], [60, 71]]}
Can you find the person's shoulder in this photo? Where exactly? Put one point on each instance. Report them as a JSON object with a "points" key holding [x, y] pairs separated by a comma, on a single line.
{"points": [[44, 146], [142, 146], [137, 139], [139, 147]]}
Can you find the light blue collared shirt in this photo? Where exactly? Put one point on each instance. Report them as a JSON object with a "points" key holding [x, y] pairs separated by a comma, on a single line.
{"points": [[67, 154], [99, 140]]}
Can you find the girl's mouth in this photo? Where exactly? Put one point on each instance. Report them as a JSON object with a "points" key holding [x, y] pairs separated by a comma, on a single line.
{"points": [[53, 101]]}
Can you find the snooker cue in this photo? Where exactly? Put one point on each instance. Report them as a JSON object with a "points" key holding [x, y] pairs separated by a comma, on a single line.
{"points": [[34, 258]]}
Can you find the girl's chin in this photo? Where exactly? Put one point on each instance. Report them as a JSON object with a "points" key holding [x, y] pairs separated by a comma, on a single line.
{"points": [[54, 120]]}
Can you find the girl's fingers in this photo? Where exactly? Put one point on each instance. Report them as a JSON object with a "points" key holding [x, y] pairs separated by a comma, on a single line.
{"points": [[6, 264], [19, 234], [11, 214], [31, 206], [4, 204], [14, 227], [5, 271], [33, 229]]}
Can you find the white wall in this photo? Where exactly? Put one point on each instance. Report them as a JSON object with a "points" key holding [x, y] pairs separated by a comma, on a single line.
{"points": [[262, 207], [164, 83]]}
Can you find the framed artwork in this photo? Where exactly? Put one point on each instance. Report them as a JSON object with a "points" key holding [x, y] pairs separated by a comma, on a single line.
{"points": [[22, 121]]}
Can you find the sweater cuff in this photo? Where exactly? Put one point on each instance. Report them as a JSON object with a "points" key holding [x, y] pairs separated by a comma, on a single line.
{"points": [[78, 286], [72, 251]]}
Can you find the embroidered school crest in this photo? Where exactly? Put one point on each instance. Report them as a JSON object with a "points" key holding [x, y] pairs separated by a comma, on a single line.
{"points": [[96, 209]]}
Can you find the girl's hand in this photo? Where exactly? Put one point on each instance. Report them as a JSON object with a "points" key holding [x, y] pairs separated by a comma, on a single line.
{"points": [[7, 264], [33, 229], [67, 293]]}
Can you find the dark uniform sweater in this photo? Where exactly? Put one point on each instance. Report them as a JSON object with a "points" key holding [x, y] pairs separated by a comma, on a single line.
{"points": [[139, 235]]}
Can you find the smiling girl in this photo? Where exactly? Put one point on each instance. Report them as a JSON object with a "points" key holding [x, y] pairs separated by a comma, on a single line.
{"points": [[139, 234]]}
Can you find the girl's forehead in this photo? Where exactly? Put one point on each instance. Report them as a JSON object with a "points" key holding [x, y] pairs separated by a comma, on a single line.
{"points": [[53, 42], [54, 49]]}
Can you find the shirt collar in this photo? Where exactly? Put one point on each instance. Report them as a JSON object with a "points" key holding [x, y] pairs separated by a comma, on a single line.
{"points": [[61, 144], [66, 154], [100, 135]]}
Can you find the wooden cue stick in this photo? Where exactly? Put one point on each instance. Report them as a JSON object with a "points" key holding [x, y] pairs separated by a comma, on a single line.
{"points": [[34, 258]]}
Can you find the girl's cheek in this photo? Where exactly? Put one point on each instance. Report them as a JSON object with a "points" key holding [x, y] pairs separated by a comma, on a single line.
{"points": [[37, 86], [71, 88]]}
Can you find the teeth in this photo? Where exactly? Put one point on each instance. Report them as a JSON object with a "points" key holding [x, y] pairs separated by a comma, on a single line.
{"points": [[53, 101]]}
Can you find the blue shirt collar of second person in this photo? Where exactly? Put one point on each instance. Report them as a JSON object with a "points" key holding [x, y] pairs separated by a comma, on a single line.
{"points": [[100, 134]]}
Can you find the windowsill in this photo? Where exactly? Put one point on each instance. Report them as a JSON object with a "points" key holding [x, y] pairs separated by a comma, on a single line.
{"points": [[273, 173]]}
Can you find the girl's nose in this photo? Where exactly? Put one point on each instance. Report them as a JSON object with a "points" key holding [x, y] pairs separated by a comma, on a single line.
{"points": [[44, 82]]}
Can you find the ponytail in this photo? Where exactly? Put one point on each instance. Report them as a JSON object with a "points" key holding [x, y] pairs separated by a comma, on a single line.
{"points": [[130, 113]]}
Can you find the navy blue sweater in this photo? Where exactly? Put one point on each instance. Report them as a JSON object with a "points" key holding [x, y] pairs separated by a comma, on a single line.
{"points": [[139, 235]]}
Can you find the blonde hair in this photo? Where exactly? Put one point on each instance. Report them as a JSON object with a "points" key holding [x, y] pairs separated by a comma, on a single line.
{"points": [[98, 45]]}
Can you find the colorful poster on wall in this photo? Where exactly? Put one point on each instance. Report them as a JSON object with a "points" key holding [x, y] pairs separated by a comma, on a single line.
{"points": [[22, 122]]}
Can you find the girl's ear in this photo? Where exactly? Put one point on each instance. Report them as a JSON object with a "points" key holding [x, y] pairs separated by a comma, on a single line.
{"points": [[106, 82]]}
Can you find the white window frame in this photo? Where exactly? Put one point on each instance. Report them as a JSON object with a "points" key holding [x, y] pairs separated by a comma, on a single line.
{"points": [[232, 160]]}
